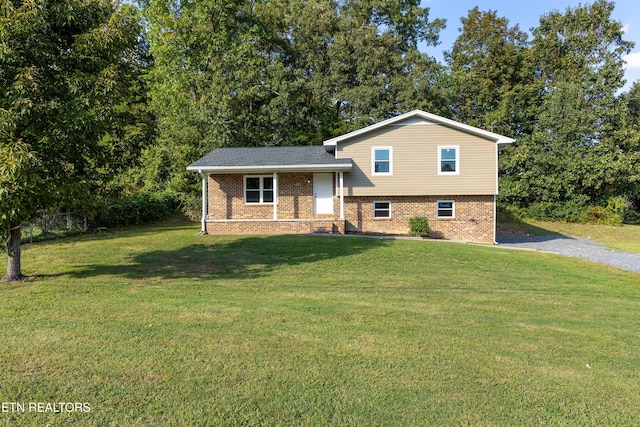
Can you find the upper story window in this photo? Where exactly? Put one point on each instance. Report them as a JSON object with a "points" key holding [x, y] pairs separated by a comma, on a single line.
{"points": [[448, 160], [382, 161], [258, 189]]}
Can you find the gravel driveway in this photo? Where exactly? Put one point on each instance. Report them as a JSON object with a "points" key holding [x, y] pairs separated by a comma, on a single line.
{"points": [[577, 248]]}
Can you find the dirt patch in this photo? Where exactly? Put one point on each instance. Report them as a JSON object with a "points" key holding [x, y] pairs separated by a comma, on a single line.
{"points": [[510, 231]]}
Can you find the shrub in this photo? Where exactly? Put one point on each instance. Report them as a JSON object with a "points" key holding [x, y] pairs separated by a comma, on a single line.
{"points": [[617, 205], [137, 208], [419, 226], [632, 216], [600, 215], [190, 204], [568, 211]]}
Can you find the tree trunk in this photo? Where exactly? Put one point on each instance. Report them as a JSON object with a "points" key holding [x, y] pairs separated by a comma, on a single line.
{"points": [[13, 250]]}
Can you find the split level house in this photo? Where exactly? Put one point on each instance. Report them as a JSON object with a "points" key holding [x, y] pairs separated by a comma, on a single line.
{"points": [[368, 181]]}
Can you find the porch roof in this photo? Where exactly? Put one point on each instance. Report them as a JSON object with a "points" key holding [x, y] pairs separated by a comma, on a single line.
{"points": [[274, 159]]}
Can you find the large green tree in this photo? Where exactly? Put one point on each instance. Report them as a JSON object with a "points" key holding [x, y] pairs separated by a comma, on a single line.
{"points": [[628, 126], [490, 74], [62, 68], [577, 152]]}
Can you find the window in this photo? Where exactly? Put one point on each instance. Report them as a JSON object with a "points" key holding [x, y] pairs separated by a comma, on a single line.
{"points": [[446, 209], [382, 158], [382, 209], [258, 189], [448, 161]]}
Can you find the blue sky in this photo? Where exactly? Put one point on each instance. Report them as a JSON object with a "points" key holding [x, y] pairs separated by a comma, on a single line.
{"points": [[527, 13]]}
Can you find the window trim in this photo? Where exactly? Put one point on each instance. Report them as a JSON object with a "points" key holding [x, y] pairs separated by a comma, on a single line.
{"points": [[260, 188], [381, 210], [453, 209], [457, 159], [373, 161]]}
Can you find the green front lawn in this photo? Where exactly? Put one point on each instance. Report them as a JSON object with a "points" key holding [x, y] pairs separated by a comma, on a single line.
{"points": [[159, 326]]}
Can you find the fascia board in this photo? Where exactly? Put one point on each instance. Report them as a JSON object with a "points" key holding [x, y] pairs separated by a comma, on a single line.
{"points": [[346, 167]]}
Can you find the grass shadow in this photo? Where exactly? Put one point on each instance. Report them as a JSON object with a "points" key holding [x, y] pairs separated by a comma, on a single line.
{"points": [[240, 258], [511, 227]]}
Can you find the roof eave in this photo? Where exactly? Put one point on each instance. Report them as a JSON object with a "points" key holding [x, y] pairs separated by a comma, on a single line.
{"points": [[343, 167]]}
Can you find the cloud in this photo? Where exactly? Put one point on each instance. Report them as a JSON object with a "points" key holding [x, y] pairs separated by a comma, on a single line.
{"points": [[626, 28], [632, 61]]}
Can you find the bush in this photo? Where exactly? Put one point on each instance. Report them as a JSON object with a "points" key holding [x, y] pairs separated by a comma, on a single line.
{"points": [[632, 216], [600, 215], [138, 208], [569, 211], [617, 205], [190, 204], [611, 211], [419, 226]]}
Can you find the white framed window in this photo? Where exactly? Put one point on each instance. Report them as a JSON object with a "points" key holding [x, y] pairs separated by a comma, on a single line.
{"points": [[382, 209], [258, 189], [381, 161], [446, 209], [448, 160]]}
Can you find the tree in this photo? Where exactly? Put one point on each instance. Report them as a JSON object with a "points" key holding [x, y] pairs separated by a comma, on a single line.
{"points": [[628, 126], [61, 69], [490, 71], [577, 150]]}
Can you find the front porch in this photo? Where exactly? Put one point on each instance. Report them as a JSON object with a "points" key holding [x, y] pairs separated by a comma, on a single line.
{"points": [[272, 190], [274, 203]]}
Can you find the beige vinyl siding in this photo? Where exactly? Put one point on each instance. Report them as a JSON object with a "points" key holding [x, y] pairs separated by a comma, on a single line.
{"points": [[415, 162]]}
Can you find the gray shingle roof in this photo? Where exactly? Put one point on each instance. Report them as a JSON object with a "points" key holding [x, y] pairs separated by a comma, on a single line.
{"points": [[269, 157]]}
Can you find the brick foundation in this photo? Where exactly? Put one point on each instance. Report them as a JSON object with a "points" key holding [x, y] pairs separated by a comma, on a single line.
{"points": [[275, 227]]}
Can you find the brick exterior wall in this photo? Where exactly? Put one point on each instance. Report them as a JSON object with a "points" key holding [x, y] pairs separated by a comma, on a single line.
{"points": [[228, 214], [295, 198], [474, 216]]}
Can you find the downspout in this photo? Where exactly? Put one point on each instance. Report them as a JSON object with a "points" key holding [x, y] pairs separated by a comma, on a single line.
{"points": [[495, 220], [204, 202], [495, 208]]}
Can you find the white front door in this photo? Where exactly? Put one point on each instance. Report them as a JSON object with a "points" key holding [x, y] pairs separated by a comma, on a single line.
{"points": [[323, 193]]}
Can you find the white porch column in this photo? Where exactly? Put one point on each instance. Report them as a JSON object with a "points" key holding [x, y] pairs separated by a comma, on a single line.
{"points": [[205, 200], [275, 196], [341, 195]]}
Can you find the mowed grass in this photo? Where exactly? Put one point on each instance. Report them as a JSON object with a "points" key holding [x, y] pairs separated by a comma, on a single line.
{"points": [[158, 326]]}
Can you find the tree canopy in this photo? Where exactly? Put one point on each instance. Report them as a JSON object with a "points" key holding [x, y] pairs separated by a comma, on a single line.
{"points": [[62, 67], [578, 151]]}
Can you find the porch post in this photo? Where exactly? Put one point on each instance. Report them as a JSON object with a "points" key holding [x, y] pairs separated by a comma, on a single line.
{"points": [[341, 195], [275, 196], [204, 202]]}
